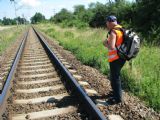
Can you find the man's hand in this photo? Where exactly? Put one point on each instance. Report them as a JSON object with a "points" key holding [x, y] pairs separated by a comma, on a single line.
{"points": [[105, 43]]}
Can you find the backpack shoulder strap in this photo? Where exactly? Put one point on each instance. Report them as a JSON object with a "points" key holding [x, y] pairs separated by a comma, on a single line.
{"points": [[119, 28]]}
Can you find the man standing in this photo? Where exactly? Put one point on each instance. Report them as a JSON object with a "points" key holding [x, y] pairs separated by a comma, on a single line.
{"points": [[114, 40]]}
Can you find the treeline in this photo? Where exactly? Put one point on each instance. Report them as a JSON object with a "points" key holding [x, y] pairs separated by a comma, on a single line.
{"points": [[37, 18], [9, 21], [142, 15], [95, 14]]}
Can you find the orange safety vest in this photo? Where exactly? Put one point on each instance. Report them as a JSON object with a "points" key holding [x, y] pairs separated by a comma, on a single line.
{"points": [[112, 54]]}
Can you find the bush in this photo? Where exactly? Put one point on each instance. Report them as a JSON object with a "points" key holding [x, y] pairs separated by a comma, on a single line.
{"points": [[154, 36]]}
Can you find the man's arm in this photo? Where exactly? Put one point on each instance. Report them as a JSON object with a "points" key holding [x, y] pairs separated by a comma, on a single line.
{"points": [[105, 43], [112, 41]]}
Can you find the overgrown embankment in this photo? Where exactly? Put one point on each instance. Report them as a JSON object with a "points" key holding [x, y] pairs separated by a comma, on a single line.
{"points": [[8, 36]]}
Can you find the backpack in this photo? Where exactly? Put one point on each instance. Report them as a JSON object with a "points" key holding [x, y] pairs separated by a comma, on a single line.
{"points": [[130, 45]]}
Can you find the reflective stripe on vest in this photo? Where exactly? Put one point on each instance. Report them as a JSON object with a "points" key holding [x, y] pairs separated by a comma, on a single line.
{"points": [[112, 54]]}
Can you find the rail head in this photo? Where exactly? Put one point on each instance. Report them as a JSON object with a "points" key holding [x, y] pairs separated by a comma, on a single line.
{"points": [[7, 84], [91, 108]]}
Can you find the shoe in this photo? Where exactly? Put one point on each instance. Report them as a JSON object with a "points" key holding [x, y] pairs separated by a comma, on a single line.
{"points": [[112, 101], [110, 94]]}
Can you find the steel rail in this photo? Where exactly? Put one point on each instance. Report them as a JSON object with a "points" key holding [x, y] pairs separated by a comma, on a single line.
{"points": [[7, 84], [92, 110]]}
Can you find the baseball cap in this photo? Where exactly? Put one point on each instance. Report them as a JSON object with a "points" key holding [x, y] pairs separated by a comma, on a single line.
{"points": [[111, 18]]}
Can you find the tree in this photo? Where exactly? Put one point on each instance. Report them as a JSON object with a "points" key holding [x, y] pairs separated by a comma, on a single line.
{"points": [[119, 1], [0, 22], [79, 9], [38, 17], [82, 14], [147, 14], [100, 11], [63, 15]]}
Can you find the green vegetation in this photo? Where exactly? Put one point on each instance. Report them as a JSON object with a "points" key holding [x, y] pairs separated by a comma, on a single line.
{"points": [[142, 16], [140, 77], [8, 36]]}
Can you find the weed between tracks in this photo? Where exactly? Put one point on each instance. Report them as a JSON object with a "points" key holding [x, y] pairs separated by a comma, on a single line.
{"points": [[140, 76]]}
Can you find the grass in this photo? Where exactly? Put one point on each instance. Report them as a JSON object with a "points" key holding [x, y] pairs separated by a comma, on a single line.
{"points": [[8, 36], [140, 76]]}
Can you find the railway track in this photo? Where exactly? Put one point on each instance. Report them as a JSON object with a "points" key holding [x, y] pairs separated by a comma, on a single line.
{"points": [[42, 85]]}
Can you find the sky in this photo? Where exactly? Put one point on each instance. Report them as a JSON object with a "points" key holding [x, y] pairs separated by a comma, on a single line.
{"points": [[28, 8]]}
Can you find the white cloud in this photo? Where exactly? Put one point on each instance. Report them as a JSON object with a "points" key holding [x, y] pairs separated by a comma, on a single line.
{"points": [[32, 3]]}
